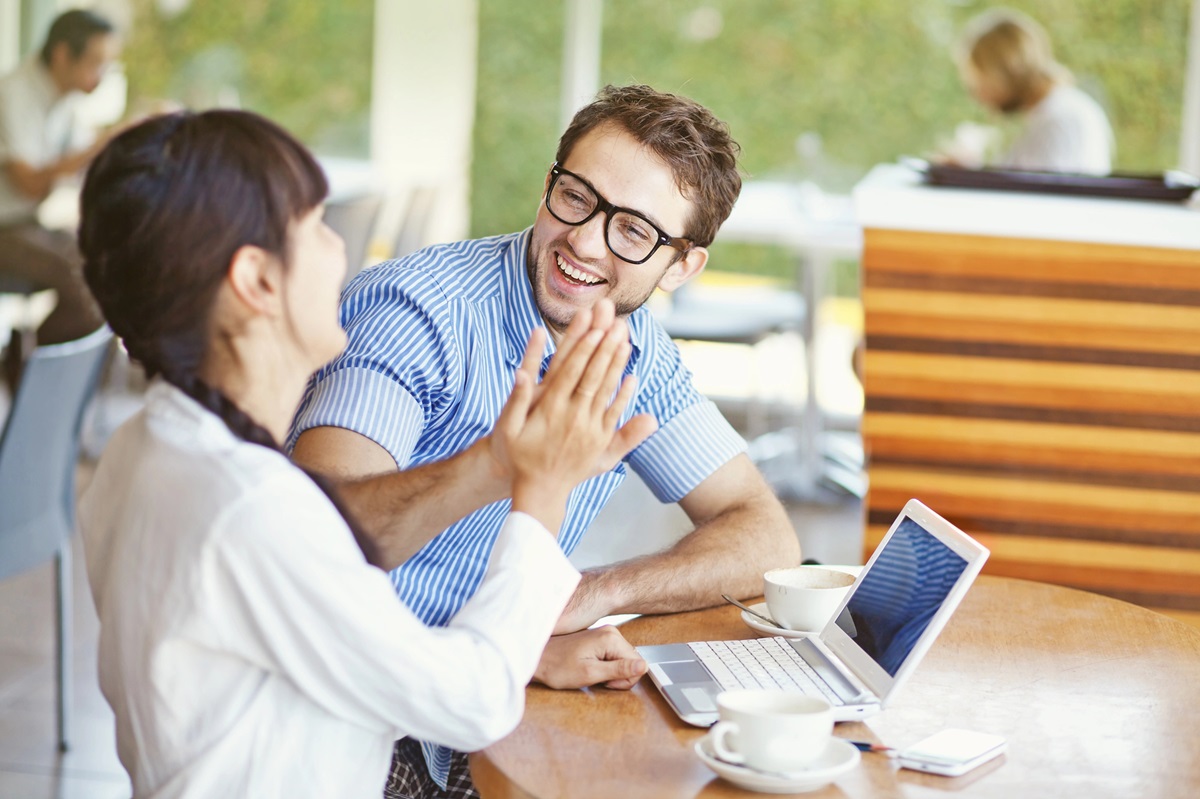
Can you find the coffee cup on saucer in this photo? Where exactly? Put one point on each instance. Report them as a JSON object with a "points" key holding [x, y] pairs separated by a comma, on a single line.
{"points": [[771, 730], [803, 598]]}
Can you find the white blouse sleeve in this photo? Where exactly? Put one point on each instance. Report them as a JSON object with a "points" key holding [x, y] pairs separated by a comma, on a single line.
{"points": [[293, 594]]}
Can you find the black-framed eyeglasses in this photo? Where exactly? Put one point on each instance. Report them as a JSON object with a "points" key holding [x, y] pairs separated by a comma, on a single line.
{"points": [[630, 236]]}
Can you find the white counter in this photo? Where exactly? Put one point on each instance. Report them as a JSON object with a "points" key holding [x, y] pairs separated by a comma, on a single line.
{"points": [[893, 197], [797, 215]]}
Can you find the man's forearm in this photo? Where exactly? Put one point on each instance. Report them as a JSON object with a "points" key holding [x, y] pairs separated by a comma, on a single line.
{"points": [[403, 511], [76, 162], [724, 555], [36, 184]]}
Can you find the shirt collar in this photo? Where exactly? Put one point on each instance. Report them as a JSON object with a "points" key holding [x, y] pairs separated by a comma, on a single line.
{"points": [[522, 316]]}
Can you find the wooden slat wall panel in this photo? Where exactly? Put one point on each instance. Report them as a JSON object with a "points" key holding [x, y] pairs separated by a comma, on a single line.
{"points": [[1031, 262], [1029, 383], [1044, 396], [981, 443], [1037, 321]]}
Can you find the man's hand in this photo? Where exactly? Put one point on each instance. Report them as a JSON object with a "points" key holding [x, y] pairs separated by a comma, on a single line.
{"points": [[590, 657]]}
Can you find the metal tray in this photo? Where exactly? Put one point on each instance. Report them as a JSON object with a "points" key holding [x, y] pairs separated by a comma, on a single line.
{"points": [[1169, 186]]}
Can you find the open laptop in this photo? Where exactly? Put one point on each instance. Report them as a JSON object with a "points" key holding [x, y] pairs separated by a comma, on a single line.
{"points": [[897, 606]]}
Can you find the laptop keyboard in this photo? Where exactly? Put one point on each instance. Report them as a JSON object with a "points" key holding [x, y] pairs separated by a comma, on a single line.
{"points": [[760, 663]]}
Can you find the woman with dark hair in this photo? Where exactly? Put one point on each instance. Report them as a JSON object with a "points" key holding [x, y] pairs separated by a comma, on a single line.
{"points": [[247, 646]]}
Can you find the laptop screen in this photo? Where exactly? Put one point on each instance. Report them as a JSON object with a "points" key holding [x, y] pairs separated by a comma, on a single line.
{"points": [[891, 607]]}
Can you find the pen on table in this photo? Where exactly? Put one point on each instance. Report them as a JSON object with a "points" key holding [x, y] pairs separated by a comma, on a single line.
{"points": [[866, 746]]}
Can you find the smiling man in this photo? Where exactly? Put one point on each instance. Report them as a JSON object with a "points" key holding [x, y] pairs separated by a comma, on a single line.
{"points": [[641, 182]]}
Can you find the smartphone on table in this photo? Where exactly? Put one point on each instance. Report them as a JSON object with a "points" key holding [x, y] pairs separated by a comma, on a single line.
{"points": [[951, 753]]}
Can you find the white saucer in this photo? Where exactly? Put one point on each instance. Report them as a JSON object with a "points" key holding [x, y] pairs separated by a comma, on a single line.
{"points": [[838, 758], [758, 625]]}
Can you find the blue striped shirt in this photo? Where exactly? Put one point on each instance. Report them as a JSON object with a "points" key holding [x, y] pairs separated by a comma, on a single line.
{"points": [[434, 341]]}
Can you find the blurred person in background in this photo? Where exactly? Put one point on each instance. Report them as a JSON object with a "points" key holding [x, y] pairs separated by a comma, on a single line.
{"points": [[1006, 61], [42, 140]]}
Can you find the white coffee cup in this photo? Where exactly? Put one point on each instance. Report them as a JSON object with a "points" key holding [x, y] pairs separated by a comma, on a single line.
{"points": [[771, 729], [803, 598]]}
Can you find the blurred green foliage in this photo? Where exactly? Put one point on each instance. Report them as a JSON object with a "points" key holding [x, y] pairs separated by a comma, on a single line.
{"points": [[873, 79], [306, 65], [862, 81]]}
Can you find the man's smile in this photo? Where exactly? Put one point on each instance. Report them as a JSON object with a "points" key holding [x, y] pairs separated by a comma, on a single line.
{"points": [[575, 274]]}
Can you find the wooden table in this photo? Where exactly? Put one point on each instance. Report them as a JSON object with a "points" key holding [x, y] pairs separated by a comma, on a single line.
{"points": [[1096, 697]]}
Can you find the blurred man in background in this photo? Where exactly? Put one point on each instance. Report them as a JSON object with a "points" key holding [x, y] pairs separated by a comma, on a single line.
{"points": [[42, 140]]}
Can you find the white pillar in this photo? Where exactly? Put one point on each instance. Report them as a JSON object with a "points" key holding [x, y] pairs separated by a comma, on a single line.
{"points": [[10, 35], [1189, 142], [423, 103], [582, 33]]}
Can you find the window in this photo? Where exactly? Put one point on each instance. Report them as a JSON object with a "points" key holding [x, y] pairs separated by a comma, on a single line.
{"points": [[820, 89], [305, 65]]}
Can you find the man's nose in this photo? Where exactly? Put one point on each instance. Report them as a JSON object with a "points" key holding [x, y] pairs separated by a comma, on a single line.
{"points": [[587, 240]]}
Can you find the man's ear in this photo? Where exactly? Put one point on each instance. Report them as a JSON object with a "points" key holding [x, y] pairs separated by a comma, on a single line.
{"points": [[60, 56], [256, 279], [683, 270]]}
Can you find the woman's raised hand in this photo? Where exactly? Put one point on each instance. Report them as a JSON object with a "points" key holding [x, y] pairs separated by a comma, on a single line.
{"points": [[553, 435]]}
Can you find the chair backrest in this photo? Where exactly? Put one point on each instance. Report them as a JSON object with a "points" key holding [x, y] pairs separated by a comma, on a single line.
{"points": [[414, 224], [39, 447], [354, 220]]}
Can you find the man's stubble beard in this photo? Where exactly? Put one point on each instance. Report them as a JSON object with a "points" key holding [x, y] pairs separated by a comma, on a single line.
{"points": [[623, 308]]}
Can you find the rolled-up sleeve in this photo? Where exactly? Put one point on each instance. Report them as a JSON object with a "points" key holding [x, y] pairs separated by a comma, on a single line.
{"points": [[401, 366], [694, 444]]}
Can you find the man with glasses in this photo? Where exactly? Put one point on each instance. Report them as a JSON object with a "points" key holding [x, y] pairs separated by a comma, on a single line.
{"points": [[641, 182]]}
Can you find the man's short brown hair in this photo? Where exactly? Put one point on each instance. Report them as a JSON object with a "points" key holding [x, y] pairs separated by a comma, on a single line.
{"points": [[684, 134], [75, 29]]}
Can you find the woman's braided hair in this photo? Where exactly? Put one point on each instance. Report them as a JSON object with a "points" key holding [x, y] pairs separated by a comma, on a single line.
{"points": [[164, 208]]}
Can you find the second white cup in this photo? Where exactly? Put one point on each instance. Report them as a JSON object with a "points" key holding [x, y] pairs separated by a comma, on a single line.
{"points": [[804, 597], [771, 730]]}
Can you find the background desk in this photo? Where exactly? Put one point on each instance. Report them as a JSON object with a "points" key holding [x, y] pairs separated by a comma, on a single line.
{"points": [[1097, 698], [1032, 371], [818, 229]]}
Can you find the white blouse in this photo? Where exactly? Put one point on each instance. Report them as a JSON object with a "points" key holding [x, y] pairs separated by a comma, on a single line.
{"points": [[37, 126], [1066, 132], [246, 646]]}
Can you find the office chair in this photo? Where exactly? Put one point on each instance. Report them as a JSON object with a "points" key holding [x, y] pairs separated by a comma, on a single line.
{"points": [[744, 317], [413, 232], [38, 450], [354, 218]]}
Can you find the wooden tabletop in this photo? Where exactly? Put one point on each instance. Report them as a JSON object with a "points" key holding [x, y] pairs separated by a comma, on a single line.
{"points": [[1096, 697]]}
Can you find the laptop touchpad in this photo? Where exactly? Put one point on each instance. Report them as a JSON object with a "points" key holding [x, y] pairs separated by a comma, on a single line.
{"points": [[685, 671]]}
